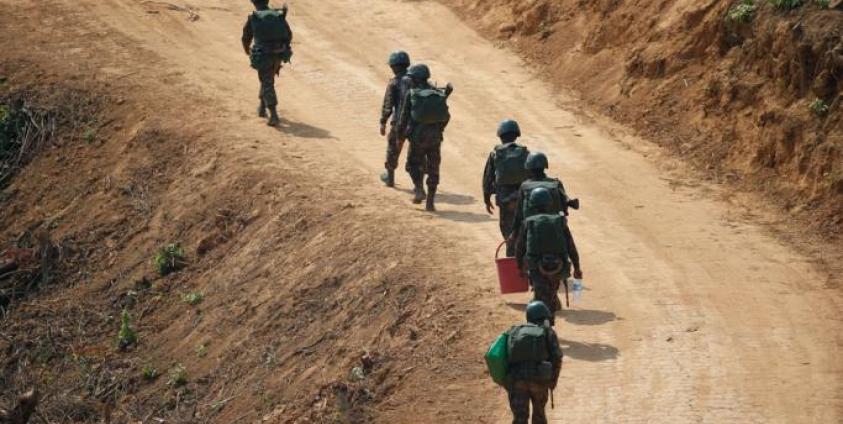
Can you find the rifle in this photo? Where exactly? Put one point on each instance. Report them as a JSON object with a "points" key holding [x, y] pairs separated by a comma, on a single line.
{"points": [[567, 300]]}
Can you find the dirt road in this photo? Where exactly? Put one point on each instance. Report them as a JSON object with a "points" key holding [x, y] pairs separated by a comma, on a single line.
{"points": [[690, 315]]}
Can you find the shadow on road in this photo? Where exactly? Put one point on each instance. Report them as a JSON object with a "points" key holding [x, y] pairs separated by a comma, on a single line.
{"points": [[303, 130], [592, 352], [469, 217], [576, 316], [446, 197]]}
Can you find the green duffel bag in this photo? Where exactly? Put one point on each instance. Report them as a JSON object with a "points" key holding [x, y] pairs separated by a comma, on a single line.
{"points": [[497, 360], [429, 106]]}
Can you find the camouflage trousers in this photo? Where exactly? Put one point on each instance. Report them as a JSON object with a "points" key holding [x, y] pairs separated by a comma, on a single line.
{"points": [[546, 289], [266, 75], [521, 394], [424, 157], [393, 148], [507, 216]]}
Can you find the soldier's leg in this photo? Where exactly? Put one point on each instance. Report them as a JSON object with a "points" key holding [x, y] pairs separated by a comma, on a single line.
{"points": [[415, 167], [434, 159], [519, 403], [268, 94], [543, 291], [507, 216], [393, 151], [555, 282], [538, 396]]}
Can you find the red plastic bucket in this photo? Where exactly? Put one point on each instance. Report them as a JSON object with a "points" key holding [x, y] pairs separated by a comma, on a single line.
{"points": [[509, 275]]}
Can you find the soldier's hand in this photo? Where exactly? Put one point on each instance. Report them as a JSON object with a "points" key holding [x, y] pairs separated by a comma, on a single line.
{"points": [[383, 129], [248, 51], [578, 274], [490, 208]]}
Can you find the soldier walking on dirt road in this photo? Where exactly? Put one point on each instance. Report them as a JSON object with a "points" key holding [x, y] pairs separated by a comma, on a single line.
{"points": [[546, 247], [271, 33], [536, 165], [424, 116], [503, 176], [535, 362], [396, 89]]}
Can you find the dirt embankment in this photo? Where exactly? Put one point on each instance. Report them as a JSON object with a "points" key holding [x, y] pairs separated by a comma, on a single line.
{"points": [[752, 98], [298, 301]]}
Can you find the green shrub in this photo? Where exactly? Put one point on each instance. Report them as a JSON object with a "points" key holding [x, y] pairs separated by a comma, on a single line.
{"points": [[149, 372], [742, 12], [126, 337], [193, 299], [819, 107], [786, 4], [90, 135], [177, 376], [169, 259], [823, 4]]}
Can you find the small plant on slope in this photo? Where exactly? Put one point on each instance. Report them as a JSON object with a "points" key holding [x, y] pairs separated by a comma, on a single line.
{"points": [[193, 299], [126, 337], [177, 376], [819, 107], [823, 4], [743, 11], [169, 259]]}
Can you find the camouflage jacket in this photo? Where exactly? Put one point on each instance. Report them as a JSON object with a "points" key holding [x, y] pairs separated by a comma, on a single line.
{"points": [[396, 90]]}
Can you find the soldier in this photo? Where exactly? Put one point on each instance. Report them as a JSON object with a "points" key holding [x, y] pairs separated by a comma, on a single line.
{"points": [[503, 176], [546, 247], [535, 362], [424, 116], [396, 89], [272, 37], [536, 165]]}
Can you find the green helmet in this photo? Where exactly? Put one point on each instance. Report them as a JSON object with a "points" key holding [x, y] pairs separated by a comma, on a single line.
{"points": [[537, 160], [420, 72], [509, 127], [539, 197], [537, 312], [398, 58]]}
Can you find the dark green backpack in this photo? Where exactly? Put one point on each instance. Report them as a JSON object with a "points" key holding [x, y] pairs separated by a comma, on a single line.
{"points": [[527, 343], [270, 27], [546, 236], [509, 164], [429, 106], [557, 204]]}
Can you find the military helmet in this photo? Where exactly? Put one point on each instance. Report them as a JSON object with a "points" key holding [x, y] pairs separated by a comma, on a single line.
{"points": [[537, 160], [509, 127], [399, 57], [537, 312], [540, 197], [419, 72]]}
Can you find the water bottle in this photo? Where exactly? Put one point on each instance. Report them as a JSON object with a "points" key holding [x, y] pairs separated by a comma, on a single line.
{"points": [[577, 290]]}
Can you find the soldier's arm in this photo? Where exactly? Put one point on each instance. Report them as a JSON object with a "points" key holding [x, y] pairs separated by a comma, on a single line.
{"points": [[572, 250], [519, 212], [555, 355], [489, 179], [386, 109], [404, 117], [521, 247], [248, 35]]}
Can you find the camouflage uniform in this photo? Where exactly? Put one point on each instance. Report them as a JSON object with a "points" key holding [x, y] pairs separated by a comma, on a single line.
{"points": [[424, 154], [395, 92], [271, 58], [523, 197], [546, 287], [522, 390], [506, 198]]}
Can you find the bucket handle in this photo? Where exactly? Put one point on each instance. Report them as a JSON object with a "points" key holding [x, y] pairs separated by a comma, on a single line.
{"points": [[498, 252]]}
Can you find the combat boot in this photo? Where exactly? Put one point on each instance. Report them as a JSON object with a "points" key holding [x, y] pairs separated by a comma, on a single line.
{"points": [[262, 110], [388, 178], [274, 120], [431, 197], [420, 194]]}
